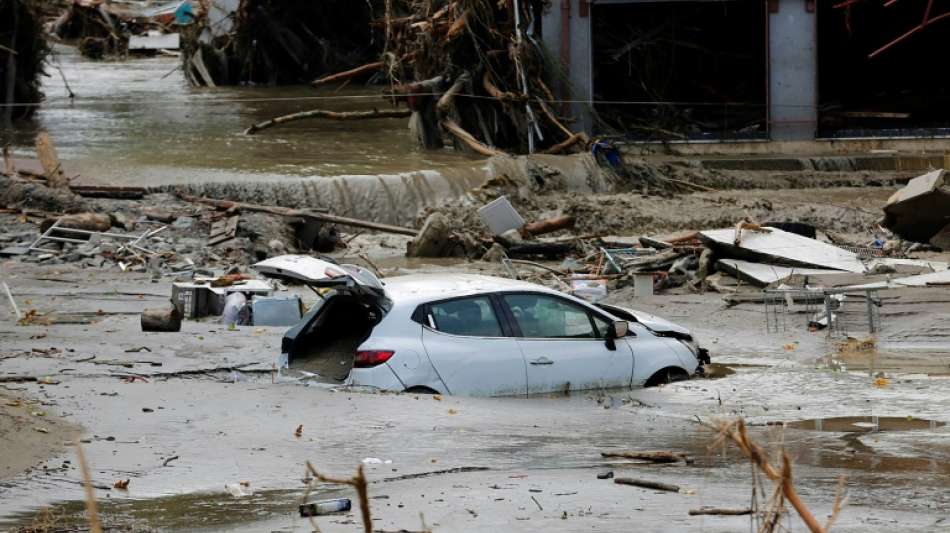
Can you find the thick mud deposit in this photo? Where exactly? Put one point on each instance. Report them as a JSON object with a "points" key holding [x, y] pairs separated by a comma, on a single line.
{"points": [[211, 413]]}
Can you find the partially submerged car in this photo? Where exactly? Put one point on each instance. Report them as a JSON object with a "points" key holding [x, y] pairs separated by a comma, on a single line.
{"points": [[473, 335]]}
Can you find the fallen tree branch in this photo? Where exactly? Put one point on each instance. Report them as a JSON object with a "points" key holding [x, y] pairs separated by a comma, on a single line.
{"points": [[447, 101], [330, 115], [564, 145], [348, 74], [497, 93], [468, 139]]}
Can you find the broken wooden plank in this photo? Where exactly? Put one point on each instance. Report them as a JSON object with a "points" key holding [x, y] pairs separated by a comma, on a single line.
{"points": [[223, 230], [647, 484]]}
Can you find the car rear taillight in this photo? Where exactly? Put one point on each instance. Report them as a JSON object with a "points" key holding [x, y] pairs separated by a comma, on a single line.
{"points": [[371, 358]]}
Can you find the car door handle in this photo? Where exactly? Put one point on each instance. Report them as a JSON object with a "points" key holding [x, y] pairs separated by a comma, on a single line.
{"points": [[542, 361]]}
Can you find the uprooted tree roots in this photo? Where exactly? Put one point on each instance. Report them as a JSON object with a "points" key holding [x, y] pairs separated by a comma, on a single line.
{"points": [[470, 70]]}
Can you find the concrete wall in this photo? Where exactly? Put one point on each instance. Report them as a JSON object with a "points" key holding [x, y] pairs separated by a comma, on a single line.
{"points": [[793, 72], [580, 71]]}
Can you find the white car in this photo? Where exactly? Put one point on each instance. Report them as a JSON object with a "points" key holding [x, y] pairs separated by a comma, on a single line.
{"points": [[473, 335]]}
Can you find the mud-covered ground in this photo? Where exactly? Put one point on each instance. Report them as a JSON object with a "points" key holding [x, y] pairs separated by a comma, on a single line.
{"points": [[211, 412]]}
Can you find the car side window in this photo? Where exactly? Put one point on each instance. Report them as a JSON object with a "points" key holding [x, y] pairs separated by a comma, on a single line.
{"points": [[601, 326], [541, 316], [471, 317]]}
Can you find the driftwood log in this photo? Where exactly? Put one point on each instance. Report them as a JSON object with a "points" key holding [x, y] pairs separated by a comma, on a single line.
{"points": [[715, 511], [548, 225], [166, 319], [653, 457], [330, 115], [647, 484], [84, 221]]}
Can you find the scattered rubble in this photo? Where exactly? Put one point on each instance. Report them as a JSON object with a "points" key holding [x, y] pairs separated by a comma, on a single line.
{"points": [[920, 212]]}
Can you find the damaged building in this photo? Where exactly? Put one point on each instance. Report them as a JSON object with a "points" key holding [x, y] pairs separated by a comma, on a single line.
{"points": [[746, 70]]}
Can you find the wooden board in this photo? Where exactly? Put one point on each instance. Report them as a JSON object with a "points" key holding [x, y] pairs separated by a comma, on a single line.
{"points": [[223, 230]]}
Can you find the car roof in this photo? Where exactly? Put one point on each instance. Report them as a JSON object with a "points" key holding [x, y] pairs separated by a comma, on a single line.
{"points": [[415, 289]]}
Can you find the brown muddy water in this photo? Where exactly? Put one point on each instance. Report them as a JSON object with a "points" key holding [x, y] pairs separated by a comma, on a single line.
{"points": [[139, 122]]}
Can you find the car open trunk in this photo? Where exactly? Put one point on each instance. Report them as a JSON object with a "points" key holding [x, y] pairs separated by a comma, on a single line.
{"points": [[326, 340], [352, 301]]}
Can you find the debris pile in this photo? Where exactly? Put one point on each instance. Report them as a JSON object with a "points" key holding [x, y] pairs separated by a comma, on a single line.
{"points": [[468, 71], [277, 42], [54, 220], [103, 29], [920, 212], [23, 50]]}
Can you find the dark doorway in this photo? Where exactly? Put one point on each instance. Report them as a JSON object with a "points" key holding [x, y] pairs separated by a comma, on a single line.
{"points": [[681, 70], [902, 91]]}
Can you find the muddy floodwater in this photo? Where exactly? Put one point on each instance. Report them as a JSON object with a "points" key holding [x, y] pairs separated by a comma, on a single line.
{"points": [[197, 431], [138, 122]]}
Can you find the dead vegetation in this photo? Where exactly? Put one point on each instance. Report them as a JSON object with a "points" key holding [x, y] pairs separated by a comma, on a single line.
{"points": [[767, 519]]}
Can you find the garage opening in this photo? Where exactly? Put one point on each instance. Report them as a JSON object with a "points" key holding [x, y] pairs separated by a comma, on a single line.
{"points": [[902, 90], [694, 70]]}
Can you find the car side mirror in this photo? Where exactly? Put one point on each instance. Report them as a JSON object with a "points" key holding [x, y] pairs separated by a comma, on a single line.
{"points": [[616, 330]]}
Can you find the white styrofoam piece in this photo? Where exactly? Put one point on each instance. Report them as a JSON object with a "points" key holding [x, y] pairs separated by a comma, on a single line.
{"points": [[500, 216]]}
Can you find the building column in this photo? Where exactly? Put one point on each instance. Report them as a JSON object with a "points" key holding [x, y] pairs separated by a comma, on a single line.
{"points": [[580, 70], [793, 70]]}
